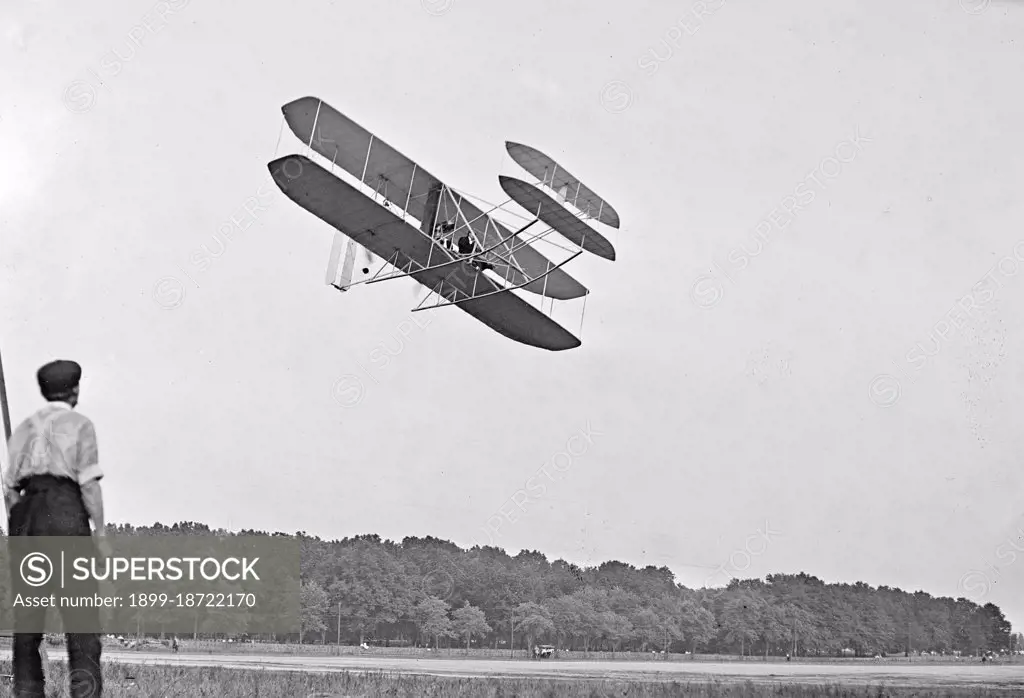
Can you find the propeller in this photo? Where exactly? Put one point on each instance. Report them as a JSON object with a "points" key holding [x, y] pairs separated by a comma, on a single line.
{"points": [[419, 291]]}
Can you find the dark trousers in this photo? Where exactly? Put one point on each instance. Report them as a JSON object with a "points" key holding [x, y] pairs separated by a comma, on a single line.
{"points": [[53, 506]]}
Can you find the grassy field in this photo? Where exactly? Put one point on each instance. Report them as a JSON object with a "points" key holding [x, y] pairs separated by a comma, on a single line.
{"points": [[168, 682], [224, 670], [212, 647]]}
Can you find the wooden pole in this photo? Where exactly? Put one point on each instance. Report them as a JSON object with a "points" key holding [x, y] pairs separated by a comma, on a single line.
{"points": [[3, 404], [7, 430]]}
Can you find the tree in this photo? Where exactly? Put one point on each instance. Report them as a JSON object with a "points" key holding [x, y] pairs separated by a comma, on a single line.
{"points": [[989, 629], [564, 612], [379, 585], [313, 604], [365, 587], [508, 601], [695, 623], [469, 621], [771, 625], [800, 624], [592, 604], [533, 621], [431, 617], [740, 619], [647, 627], [615, 628]]}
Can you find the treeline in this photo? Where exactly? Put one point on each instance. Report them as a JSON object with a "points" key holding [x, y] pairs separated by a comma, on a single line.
{"points": [[427, 591]]}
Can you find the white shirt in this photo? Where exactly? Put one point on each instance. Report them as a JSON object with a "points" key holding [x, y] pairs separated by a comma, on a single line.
{"points": [[57, 441]]}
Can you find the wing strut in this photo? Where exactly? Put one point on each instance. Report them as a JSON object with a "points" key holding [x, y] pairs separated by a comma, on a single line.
{"points": [[475, 255], [312, 131], [490, 293]]}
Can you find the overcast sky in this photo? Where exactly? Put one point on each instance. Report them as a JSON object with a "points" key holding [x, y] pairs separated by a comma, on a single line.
{"points": [[807, 356]]}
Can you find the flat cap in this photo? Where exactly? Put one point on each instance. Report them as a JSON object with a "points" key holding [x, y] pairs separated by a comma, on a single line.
{"points": [[58, 377]]}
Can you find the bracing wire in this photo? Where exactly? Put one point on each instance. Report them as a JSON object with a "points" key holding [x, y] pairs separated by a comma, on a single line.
{"points": [[280, 133]]}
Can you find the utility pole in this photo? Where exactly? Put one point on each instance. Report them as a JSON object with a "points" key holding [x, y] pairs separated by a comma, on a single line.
{"points": [[7, 427], [3, 404], [339, 627]]}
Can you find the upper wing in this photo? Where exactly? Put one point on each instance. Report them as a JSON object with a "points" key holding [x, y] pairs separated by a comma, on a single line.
{"points": [[558, 178], [364, 156], [554, 214], [406, 185], [385, 234]]}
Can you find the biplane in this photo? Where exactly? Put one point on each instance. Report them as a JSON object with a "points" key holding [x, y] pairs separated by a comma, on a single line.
{"points": [[424, 229]]}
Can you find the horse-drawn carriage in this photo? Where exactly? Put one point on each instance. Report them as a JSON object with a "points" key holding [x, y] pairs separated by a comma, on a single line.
{"points": [[543, 651]]}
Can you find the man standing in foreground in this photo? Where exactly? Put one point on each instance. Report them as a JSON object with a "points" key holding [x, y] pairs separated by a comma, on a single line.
{"points": [[53, 489]]}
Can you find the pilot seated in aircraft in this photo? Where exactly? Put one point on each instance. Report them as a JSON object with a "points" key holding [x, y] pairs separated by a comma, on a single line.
{"points": [[443, 231], [468, 247]]}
